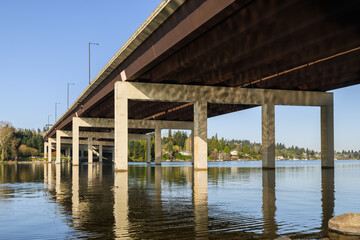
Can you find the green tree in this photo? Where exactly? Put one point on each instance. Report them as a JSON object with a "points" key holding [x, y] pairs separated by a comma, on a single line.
{"points": [[227, 150], [7, 143]]}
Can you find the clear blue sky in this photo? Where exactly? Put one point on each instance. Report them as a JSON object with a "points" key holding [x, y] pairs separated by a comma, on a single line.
{"points": [[44, 45]]}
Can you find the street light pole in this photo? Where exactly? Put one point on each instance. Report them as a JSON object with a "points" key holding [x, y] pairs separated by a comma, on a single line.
{"points": [[89, 57], [68, 93], [56, 110], [48, 125]]}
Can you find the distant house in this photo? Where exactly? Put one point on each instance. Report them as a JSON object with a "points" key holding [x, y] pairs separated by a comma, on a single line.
{"points": [[234, 153], [185, 153]]}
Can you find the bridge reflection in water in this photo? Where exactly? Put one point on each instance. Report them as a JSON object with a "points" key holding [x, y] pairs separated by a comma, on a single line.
{"points": [[153, 201]]}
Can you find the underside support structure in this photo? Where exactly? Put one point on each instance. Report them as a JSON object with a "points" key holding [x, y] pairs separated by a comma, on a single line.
{"points": [[201, 96]]}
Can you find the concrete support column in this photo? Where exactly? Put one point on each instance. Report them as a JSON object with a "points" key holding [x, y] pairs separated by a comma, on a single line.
{"points": [[58, 147], [192, 146], [158, 145], [121, 130], [268, 135], [148, 149], [327, 136], [90, 150], [75, 143], [49, 150], [200, 135], [100, 153], [45, 149]]}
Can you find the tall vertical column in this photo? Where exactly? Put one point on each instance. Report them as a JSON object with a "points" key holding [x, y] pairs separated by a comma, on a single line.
{"points": [[148, 149], [49, 149], [45, 149], [100, 153], [268, 135], [58, 147], [90, 150], [327, 136], [157, 145], [121, 130], [200, 135], [192, 146], [75, 143]]}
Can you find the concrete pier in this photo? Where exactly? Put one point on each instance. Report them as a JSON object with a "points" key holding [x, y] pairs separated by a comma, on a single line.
{"points": [[90, 150], [45, 149], [121, 130], [200, 135], [327, 135], [268, 135], [58, 147], [75, 142], [157, 145], [100, 153]]}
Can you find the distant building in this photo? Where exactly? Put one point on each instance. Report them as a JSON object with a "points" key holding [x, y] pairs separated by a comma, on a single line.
{"points": [[234, 153], [185, 153]]}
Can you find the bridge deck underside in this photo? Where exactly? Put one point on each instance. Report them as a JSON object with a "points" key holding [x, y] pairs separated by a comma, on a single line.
{"points": [[248, 44]]}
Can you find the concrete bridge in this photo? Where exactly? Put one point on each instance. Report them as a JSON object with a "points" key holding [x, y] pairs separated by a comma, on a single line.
{"points": [[191, 60]]}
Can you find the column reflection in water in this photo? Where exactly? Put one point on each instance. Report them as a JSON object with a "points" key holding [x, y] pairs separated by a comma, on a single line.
{"points": [[200, 201], [148, 174], [100, 172], [45, 173], [121, 206], [75, 191], [327, 197], [269, 205], [50, 176], [158, 176], [90, 174], [58, 179]]}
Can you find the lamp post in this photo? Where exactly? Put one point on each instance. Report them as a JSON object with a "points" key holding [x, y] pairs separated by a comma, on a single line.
{"points": [[68, 93], [56, 110], [90, 43], [48, 125]]}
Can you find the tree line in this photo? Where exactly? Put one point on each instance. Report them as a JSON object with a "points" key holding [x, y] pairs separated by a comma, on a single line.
{"points": [[22, 143], [176, 144], [19, 143]]}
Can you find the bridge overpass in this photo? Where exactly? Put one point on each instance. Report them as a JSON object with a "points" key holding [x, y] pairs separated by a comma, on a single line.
{"points": [[192, 60]]}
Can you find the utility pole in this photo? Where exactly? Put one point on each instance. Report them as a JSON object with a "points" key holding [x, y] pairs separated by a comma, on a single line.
{"points": [[90, 43], [68, 93]]}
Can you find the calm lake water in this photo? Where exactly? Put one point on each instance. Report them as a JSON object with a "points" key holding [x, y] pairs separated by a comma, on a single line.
{"points": [[232, 200]]}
